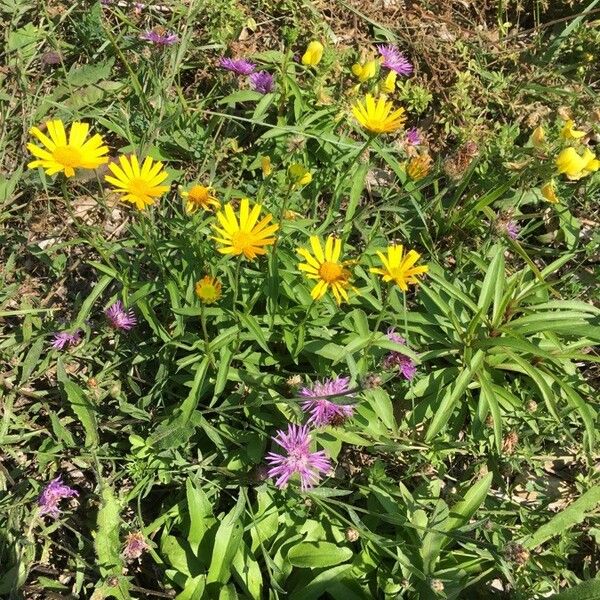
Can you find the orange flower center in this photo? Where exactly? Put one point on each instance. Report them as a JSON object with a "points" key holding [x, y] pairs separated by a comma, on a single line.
{"points": [[139, 187], [199, 194], [330, 272], [67, 156], [241, 240]]}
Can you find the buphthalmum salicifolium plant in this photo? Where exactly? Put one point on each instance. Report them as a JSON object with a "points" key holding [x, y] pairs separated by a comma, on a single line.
{"points": [[283, 365]]}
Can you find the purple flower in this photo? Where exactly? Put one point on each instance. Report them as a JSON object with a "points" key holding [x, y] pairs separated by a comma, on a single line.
{"points": [[135, 545], [395, 60], [397, 360], [160, 38], [64, 339], [413, 137], [323, 411], [512, 229], [52, 494], [240, 66], [119, 317], [299, 460], [262, 82]]}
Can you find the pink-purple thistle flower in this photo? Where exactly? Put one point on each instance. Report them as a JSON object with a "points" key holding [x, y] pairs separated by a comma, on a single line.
{"points": [[262, 82], [413, 137], [395, 60], [240, 66], [321, 409], [135, 545], [299, 460], [511, 228], [397, 360], [52, 494], [64, 339], [159, 38], [119, 317]]}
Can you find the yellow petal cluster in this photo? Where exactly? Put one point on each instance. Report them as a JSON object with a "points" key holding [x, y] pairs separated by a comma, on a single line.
{"points": [[574, 165], [549, 192], [378, 116], [199, 197], [388, 85], [313, 55], [568, 132], [299, 175], [208, 289], [399, 267], [365, 71], [419, 166]]}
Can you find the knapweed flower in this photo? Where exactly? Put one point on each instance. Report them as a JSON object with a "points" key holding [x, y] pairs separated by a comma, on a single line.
{"points": [[378, 117], [299, 175], [511, 228], [419, 166], [119, 317], [388, 85], [413, 137], [313, 55], [266, 166], [325, 267], [138, 186], [568, 132], [159, 36], [548, 191], [576, 166], [399, 267], [395, 60], [246, 236], [52, 494], [299, 460], [365, 71], [262, 82], [135, 545], [240, 66], [208, 289], [67, 155], [64, 339], [397, 360], [322, 410], [199, 197], [538, 136]]}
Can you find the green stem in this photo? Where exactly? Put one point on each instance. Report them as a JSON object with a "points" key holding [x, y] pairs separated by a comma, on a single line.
{"points": [[205, 332]]}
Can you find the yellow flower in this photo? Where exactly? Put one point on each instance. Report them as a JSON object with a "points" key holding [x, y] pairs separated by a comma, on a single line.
{"points": [[313, 54], [576, 166], [245, 237], [66, 156], [568, 133], [378, 117], [325, 267], [199, 196], [365, 70], [419, 166], [265, 165], [140, 186], [549, 192], [208, 289], [538, 136], [399, 267], [299, 174], [388, 85]]}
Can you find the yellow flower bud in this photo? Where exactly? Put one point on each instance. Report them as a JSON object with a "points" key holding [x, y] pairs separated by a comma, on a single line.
{"points": [[549, 192], [419, 166], [265, 163], [299, 174], [314, 53], [365, 71], [568, 133], [388, 85]]}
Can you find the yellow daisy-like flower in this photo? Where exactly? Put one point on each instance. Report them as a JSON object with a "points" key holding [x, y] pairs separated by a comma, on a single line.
{"points": [[365, 71], [569, 133], [313, 55], [265, 165], [574, 165], [199, 196], [245, 237], [419, 166], [208, 289], [538, 136], [324, 266], [549, 192], [380, 116], [67, 155], [140, 186], [399, 267], [299, 174], [388, 85]]}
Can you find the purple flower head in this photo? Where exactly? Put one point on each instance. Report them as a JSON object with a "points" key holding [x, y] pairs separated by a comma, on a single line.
{"points": [[135, 545], [240, 66], [397, 360], [262, 82], [395, 60], [511, 228], [159, 38], [299, 460], [323, 411], [413, 137], [64, 339], [52, 494], [119, 317]]}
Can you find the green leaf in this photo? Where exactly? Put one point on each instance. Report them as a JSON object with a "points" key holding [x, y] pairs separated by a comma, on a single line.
{"points": [[588, 590], [318, 554], [86, 307], [493, 283], [258, 335], [564, 520]]}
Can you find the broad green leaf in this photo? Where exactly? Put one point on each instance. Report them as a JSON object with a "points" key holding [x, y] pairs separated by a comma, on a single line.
{"points": [[493, 283], [587, 590], [318, 554]]}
